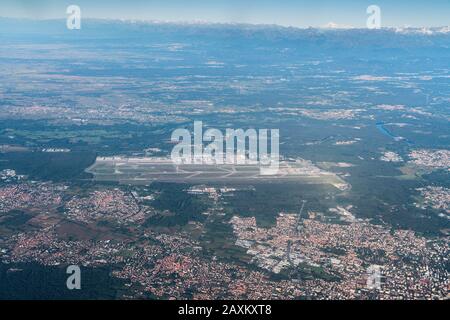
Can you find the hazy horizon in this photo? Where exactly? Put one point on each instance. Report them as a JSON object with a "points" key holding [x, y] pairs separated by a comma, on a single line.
{"points": [[300, 14], [205, 23]]}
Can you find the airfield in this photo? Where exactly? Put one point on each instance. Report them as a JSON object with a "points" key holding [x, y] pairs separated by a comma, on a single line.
{"points": [[144, 170]]}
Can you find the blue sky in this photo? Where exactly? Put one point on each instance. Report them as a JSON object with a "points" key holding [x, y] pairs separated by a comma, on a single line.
{"points": [[299, 13]]}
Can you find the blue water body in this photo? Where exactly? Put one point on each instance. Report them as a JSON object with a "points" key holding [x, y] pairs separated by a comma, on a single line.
{"points": [[383, 130], [380, 126]]}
